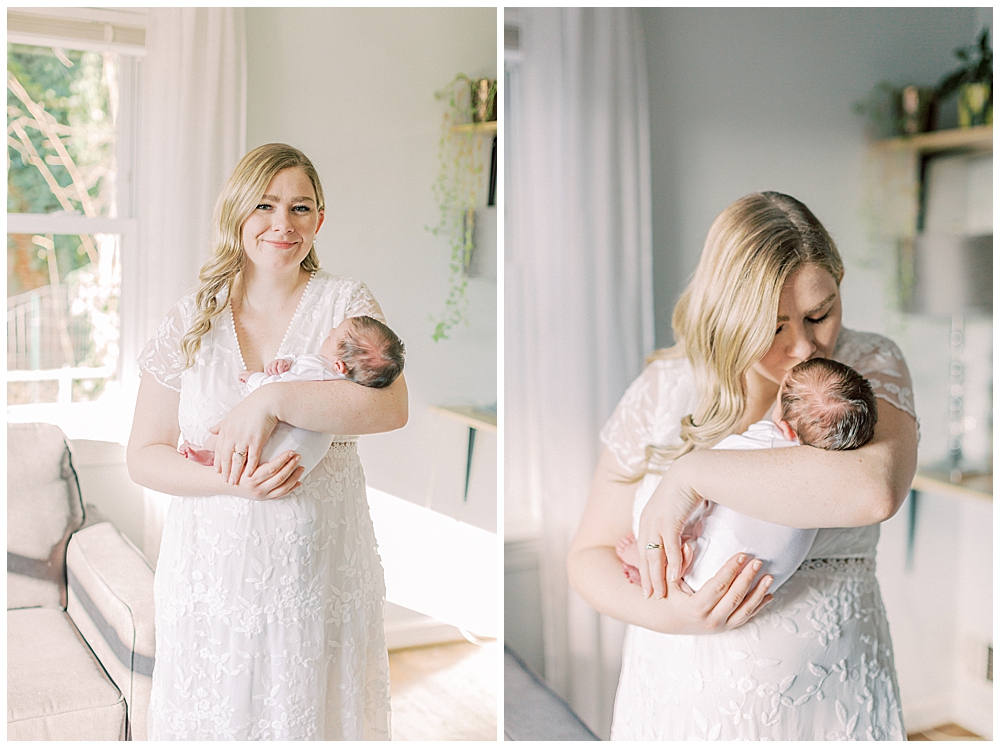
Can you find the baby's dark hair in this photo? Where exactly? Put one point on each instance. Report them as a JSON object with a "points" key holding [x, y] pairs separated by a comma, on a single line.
{"points": [[829, 405], [372, 353]]}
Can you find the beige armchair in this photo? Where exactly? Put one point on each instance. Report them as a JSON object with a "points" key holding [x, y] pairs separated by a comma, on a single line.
{"points": [[79, 604]]}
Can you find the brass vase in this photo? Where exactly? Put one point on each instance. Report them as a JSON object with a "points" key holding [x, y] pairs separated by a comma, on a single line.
{"points": [[975, 105], [484, 100]]}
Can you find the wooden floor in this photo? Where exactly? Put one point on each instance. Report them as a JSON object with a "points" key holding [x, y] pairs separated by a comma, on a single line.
{"points": [[449, 692], [445, 692], [944, 732]]}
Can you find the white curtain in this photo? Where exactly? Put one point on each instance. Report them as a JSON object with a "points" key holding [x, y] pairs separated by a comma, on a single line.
{"points": [[193, 132], [578, 290]]}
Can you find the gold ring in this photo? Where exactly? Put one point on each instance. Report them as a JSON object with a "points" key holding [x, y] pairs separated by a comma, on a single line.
{"points": [[652, 546], [241, 454]]}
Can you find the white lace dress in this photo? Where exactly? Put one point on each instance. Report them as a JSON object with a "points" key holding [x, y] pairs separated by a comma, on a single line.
{"points": [[817, 663], [268, 613]]}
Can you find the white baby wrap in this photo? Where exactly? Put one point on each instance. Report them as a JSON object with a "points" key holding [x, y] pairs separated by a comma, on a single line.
{"points": [[724, 533], [311, 446]]}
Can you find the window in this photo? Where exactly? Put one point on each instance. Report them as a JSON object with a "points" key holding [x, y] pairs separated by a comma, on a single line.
{"points": [[72, 101]]}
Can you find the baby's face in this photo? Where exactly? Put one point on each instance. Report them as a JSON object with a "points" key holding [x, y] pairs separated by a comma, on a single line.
{"points": [[330, 350]]}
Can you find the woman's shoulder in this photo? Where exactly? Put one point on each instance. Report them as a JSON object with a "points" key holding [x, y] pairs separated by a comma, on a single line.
{"points": [[183, 312], [666, 384], [339, 287], [331, 283], [336, 297], [663, 376], [880, 361], [868, 350], [650, 410]]}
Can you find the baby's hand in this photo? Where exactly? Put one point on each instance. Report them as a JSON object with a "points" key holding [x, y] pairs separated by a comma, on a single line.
{"points": [[278, 366], [245, 376]]}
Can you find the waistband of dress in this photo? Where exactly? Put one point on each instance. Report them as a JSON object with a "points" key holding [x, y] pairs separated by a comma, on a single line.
{"points": [[856, 565]]}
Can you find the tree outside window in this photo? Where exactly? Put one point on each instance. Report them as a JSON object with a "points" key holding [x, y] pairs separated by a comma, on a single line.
{"points": [[63, 281]]}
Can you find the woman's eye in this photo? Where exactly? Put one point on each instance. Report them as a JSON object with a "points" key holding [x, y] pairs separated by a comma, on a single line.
{"points": [[301, 208], [820, 319], [263, 206], [780, 328]]}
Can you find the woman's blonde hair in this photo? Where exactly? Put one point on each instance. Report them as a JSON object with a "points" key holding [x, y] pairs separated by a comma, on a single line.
{"points": [[236, 202], [724, 321]]}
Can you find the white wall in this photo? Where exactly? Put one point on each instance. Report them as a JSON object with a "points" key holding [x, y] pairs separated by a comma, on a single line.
{"points": [[751, 99], [354, 89]]}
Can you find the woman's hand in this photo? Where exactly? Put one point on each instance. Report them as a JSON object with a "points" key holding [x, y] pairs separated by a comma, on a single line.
{"points": [[660, 527], [242, 434], [724, 602], [272, 480], [595, 571]]}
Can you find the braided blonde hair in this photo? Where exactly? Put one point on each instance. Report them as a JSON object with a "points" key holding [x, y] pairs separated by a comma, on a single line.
{"points": [[724, 321], [236, 202]]}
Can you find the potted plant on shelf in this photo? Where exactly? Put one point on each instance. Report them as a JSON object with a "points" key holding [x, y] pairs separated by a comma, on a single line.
{"points": [[895, 111], [461, 160], [974, 83]]}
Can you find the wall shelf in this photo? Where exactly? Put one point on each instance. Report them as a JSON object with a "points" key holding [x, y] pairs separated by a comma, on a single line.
{"points": [[972, 486], [958, 139], [477, 127], [475, 418], [470, 415]]}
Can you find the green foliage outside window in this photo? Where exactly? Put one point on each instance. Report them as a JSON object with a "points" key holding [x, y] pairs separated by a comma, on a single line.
{"points": [[61, 130], [60, 152]]}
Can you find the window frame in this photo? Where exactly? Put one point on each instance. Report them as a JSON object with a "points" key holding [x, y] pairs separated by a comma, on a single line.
{"points": [[74, 28]]}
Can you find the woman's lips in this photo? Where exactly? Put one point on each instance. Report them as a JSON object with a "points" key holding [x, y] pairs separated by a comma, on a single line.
{"points": [[281, 245]]}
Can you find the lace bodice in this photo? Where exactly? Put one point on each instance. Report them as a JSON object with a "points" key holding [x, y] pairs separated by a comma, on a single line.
{"points": [[212, 385], [650, 413]]}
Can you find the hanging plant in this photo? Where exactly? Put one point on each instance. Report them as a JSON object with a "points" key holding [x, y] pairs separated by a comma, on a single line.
{"points": [[461, 161]]}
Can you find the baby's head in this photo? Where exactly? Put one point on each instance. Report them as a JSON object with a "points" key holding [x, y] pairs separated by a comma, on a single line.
{"points": [[365, 351], [827, 405]]}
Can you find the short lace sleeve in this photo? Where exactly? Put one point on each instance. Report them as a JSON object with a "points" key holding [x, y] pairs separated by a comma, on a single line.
{"points": [[162, 356], [361, 303], [650, 412], [880, 361]]}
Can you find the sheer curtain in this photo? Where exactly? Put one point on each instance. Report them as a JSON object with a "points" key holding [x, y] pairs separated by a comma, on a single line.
{"points": [[578, 288], [194, 115]]}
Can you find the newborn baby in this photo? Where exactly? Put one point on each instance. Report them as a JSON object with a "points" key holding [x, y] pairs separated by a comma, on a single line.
{"points": [[359, 349], [821, 403]]}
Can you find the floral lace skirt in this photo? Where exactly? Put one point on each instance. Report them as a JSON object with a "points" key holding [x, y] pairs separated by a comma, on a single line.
{"points": [[816, 664], [269, 615]]}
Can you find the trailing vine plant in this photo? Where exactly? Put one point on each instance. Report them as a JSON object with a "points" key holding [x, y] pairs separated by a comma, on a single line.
{"points": [[461, 161]]}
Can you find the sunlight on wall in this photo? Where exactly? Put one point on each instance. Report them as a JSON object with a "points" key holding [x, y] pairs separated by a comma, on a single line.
{"points": [[435, 565]]}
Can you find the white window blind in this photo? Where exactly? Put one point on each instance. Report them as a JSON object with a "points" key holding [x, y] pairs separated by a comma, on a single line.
{"points": [[91, 29]]}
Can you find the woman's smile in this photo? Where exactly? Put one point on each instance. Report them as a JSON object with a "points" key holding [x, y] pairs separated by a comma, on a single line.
{"points": [[280, 245]]}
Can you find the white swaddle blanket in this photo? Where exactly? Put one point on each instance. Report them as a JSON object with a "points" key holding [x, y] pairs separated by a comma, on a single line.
{"points": [[723, 533], [311, 446]]}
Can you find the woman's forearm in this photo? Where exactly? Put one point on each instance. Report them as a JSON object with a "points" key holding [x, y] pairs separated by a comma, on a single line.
{"points": [[338, 406], [596, 575], [162, 468], [807, 487]]}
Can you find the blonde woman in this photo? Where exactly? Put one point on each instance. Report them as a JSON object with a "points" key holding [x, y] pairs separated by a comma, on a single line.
{"points": [[814, 661], [269, 590]]}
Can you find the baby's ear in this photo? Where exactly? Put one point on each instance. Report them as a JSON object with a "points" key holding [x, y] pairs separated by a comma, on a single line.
{"points": [[787, 431], [340, 366]]}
